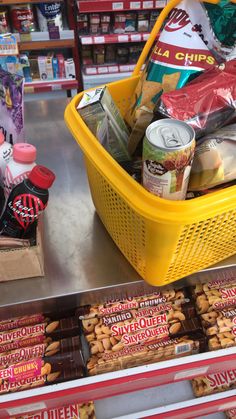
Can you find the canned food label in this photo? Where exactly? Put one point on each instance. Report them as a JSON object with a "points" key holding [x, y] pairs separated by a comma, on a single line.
{"points": [[166, 173]]}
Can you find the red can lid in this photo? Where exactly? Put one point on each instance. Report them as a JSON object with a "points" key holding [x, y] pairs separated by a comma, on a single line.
{"points": [[41, 177], [24, 153]]}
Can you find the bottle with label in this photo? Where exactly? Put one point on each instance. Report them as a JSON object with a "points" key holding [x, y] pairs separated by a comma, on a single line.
{"points": [[5, 154], [26, 202], [20, 166]]}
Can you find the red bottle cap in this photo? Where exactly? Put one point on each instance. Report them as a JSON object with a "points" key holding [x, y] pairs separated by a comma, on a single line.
{"points": [[41, 177], [2, 137], [24, 153]]}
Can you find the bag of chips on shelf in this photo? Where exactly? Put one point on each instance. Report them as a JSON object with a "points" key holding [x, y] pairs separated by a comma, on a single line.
{"points": [[11, 106]]}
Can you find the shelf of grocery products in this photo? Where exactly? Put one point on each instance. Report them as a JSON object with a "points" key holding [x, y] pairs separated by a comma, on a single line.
{"points": [[41, 40], [12, 2], [92, 70], [44, 36], [50, 85], [113, 38], [87, 6]]}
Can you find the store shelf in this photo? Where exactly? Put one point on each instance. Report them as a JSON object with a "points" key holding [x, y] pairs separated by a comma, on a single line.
{"points": [[40, 40], [92, 70], [88, 6], [113, 38], [10, 2], [50, 85]]}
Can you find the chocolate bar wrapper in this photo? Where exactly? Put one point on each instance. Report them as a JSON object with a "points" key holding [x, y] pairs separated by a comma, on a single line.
{"points": [[64, 366], [231, 414], [222, 340], [47, 348], [219, 322], [216, 300], [75, 411], [38, 318], [214, 383], [137, 326], [224, 282], [142, 354], [138, 302], [36, 334]]}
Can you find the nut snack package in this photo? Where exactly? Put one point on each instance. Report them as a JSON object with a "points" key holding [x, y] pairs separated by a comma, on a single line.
{"points": [[215, 284], [106, 360], [65, 365], [214, 383], [219, 322], [117, 331], [214, 159], [180, 53], [34, 334], [72, 411], [192, 105], [142, 301], [216, 300], [222, 340], [11, 106], [231, 414]]}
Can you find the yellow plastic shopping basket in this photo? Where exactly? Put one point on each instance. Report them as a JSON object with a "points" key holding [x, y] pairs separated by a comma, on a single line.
{"points": [[163, 240]]}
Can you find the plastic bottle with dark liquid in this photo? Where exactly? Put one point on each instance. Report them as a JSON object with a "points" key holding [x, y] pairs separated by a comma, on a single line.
{"points": [[26, 202]]}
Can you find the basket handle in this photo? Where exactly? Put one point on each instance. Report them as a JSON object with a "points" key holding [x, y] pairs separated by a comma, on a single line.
{"points": [[155, 30]]}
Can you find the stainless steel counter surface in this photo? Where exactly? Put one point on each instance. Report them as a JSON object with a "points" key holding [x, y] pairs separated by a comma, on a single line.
{"points": [[79, 253]]}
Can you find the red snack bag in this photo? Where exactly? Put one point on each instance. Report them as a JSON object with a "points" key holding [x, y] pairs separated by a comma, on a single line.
{"points": [[207, 103]]}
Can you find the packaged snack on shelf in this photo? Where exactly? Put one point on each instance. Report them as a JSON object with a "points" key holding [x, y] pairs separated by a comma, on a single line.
{"points": [[45, 68], [174, 61], [105, 23], [214, 161], [83, 23], [47, 348], [105, 360], [143, 21], [216, 300], [34, 68], [87, 55], [11, 107], [102, 116], [214, 383], [231, 414], [63, 366], [72, 411], [94, 19], [49, 13], [34, 334], [222, 340], [191, 103], [110, 54], [22, 18], [70, 68], [153, 17], [141, 301], [122, 55], [4, 20], [124, 22], [99, 54], [25, 64], [219, 322], [214, 284], [61, 66], [137, 327]]}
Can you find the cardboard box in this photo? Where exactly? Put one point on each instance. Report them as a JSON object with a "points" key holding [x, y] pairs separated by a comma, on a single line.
{"points": [[24, 262]]}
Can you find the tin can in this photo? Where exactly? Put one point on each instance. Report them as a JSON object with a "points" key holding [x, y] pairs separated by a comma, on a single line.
{"points": [[22, 18], [49, 12], [168, 150], [4, 22]]}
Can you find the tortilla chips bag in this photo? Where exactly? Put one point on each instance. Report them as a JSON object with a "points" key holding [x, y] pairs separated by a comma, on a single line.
{"points": [[179, 54]]}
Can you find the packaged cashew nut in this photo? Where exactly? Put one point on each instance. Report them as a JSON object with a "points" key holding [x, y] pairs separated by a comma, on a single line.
{"points": [[219, 322], [231, 414], [214, 383], [216, 300], [216, 284], [37, 333], [120, 357], [63, 366], [139, 302], [75, 411]]}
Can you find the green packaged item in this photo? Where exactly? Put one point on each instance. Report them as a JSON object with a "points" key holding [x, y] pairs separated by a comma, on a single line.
{"points": [[223, 21]]}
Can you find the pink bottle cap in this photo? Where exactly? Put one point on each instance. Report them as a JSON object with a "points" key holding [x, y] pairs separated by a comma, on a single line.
{"points": [[2, 138], [24, 153]]}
